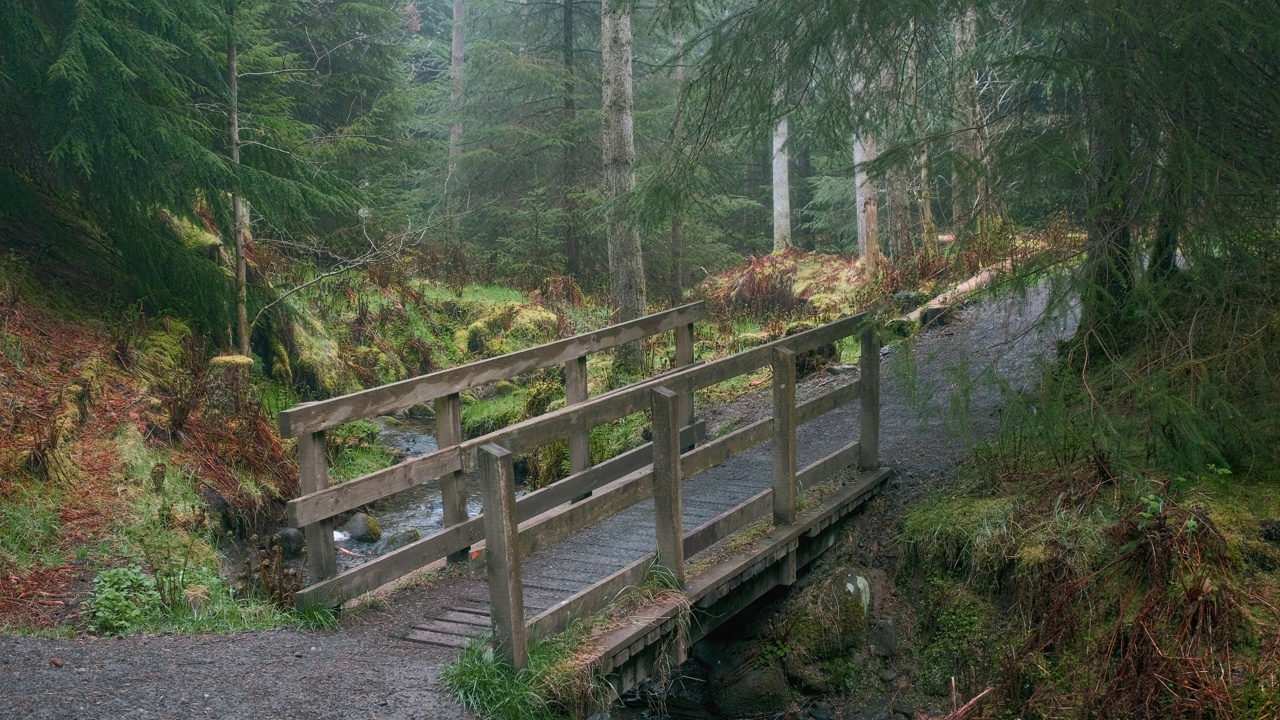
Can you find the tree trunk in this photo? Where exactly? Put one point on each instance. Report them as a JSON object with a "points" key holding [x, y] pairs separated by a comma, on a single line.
{"points": [[1164, 252], [569, 169], [965, 203], [781, 189], [626, 266], [865, 191], [459, 38], [900, 216], [524, 31], [677, 220], [1109, 263], [924, 198], [239, 223]]}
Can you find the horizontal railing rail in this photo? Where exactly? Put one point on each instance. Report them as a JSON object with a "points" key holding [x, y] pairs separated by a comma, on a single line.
{"points": [[395, 397]]}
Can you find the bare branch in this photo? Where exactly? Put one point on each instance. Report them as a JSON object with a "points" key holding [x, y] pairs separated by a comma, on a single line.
{"points": [[315, 67]]}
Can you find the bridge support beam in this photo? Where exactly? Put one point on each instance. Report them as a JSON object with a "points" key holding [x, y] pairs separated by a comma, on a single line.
{"points": [[784, 436], [575, 391], [684, 358], [869, 386], [668, 508], [313, 476], [453, 491], [501, 532]]}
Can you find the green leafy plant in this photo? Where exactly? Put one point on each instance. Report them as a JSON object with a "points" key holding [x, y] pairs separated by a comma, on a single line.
{"points": [[124, 599]]}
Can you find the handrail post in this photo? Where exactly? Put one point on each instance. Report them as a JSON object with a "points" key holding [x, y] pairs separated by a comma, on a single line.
{"points": [[869, 384], [313, 476], [784, 436], [506, 584], [453, 490], [684, 358], [667, 507], [575, 391]]}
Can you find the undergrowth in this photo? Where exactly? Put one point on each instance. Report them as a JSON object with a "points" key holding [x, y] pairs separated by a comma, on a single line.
{"points": [[1114, 552], [559, 680]]}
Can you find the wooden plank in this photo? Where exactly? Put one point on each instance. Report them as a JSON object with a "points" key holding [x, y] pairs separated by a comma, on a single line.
{"points": [[453, 489], [325, 503], [552, 527], [453, 628], [723, 448], [667, 508], [828, 466], [465, 618], [394, 397], [575, 391], [583, 483], [590, 601], [382, 570], [784, 436], [506, 591], [869, 429], [429, 637], [684, 358], [728, 523], [313, 476], [827, 402]]}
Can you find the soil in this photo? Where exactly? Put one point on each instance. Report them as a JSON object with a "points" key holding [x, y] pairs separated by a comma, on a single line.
{"points": [[364, 670]]}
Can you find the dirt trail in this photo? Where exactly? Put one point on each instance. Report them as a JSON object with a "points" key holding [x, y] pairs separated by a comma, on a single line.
{"points": [[364, 670]]}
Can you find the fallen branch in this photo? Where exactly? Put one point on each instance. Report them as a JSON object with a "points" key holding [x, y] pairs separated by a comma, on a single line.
{"points": [[964, 711]]}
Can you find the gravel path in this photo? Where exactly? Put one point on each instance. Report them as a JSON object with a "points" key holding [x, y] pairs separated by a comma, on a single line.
{"points": [[365, 670]]}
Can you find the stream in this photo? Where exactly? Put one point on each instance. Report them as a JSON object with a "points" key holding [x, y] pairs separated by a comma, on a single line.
{"points": [[418, 508]]}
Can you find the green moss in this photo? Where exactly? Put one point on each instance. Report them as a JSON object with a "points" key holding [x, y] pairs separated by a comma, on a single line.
{"points": [[356, 449], [485, 416], [956, 632], [961, 534]]}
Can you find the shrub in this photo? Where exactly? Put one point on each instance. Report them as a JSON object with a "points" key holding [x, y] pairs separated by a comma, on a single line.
{"points": [[124, 599]]}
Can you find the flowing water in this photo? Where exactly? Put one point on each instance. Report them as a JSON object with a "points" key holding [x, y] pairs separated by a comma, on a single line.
{"points": [[418, 508]]}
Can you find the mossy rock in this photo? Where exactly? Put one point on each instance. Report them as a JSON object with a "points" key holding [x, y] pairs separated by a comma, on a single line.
{"points": [[508, 326], [807, 363], [160, 354], [318, 362]]}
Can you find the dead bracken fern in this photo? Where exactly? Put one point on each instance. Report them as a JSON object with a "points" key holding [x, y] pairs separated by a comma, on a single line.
{"points": [[1164, 652]]}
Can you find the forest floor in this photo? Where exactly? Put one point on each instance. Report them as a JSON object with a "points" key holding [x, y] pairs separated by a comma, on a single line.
{"points": [[935, 405]]}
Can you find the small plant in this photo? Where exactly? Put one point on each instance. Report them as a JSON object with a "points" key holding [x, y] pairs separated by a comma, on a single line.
{"points": [[124, 599], [774, 653]]}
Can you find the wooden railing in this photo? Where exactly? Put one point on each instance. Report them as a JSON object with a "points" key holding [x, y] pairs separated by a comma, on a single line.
{"points": [[316, 509], [512, 532]]}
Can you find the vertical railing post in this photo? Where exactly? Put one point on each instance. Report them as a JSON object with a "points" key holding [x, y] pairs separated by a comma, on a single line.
{"points": [[784, 436], [668, 509], [684, 358], [453, 490], [313, 476], [869, 389], [575, 391], [506, 584]]}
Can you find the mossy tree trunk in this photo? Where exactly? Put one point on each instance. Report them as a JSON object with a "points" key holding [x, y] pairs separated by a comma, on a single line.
{"points": [[626, 265]]}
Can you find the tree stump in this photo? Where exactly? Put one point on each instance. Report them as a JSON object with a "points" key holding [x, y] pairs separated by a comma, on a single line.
{"points": [[227, 385]]}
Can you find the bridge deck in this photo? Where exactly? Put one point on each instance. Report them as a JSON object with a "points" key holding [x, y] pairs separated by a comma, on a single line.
{"points": [[553, 574]]}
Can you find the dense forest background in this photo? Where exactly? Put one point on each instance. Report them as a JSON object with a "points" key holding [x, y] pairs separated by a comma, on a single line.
{"points": [[354, 192]]}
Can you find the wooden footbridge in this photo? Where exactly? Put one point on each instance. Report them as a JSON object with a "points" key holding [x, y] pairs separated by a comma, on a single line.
{"points": [[568, 550]]}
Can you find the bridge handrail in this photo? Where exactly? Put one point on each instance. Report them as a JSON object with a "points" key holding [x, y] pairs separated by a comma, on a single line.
{"points": [[309, 421], [385, 399], [530, 434], [509, 540]]}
